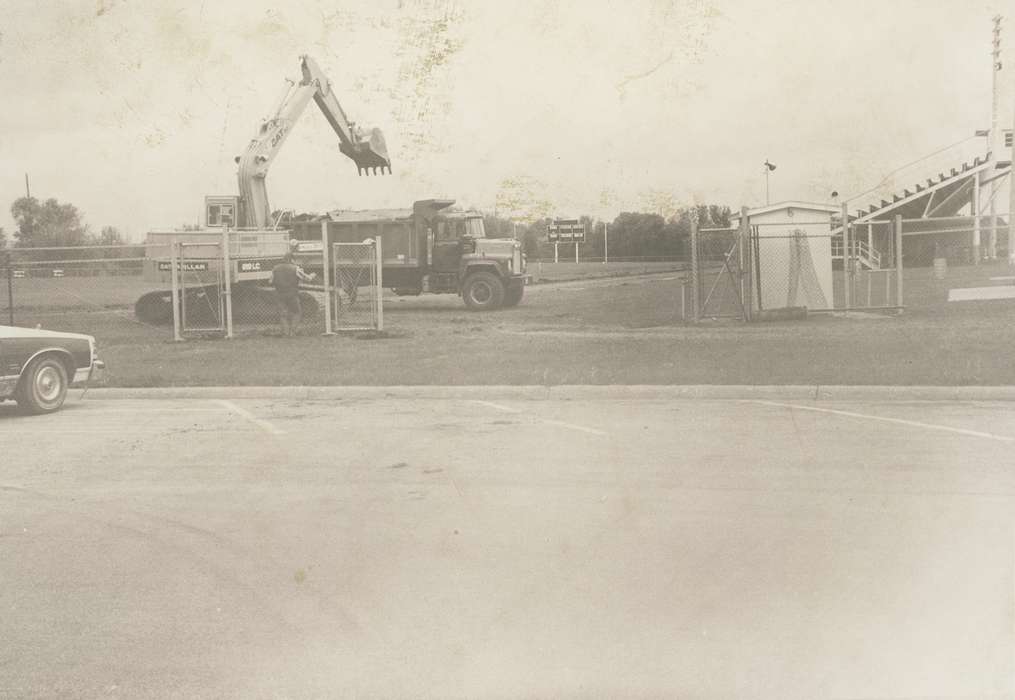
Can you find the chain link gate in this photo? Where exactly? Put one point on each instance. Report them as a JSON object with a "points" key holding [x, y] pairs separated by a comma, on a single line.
{"points": [[199, 286], [720, 284], [355, 295]]}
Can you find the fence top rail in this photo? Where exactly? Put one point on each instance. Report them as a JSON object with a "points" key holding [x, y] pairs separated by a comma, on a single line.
{"points": [[75, 261], [220, 231], [98, 246], [718, 230], [932, 231], [803, 234], [794, 223], [886, 222]]}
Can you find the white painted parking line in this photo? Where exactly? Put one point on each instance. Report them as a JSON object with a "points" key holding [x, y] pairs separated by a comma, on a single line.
{"points": [[92, 409], [572, 426], [547, 421], [247, 415], [18, 431], [884, 419], [499, 407]]}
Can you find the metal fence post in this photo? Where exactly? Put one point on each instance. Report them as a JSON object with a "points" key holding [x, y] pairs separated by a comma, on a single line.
{"points": [[898, 261], [227, 276], [174, 276], [746, 294], [8, 270], [326, 272], [695, 281], [379, 282], [846, 262]]}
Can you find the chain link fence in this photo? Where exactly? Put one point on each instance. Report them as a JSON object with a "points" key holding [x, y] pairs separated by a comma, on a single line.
{"points": [[770, 269], [794, 269], [87, 289], [957, 240]]}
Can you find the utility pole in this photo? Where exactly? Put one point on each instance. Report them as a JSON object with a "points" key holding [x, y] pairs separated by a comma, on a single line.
{"points": [[769, 167], [995, 143], [28, 192], [606, 242], [1011, 198]]}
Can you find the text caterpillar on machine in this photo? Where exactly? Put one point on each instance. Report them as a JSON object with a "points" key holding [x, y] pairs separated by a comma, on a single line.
{"points": [[260, 244]]}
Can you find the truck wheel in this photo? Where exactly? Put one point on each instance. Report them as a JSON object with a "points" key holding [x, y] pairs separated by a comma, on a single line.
{"points": [[483, 291], [43, 385], [513, 295]]}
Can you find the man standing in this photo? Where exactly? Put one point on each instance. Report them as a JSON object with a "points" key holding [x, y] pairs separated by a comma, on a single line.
{"points": [[286, 278]]}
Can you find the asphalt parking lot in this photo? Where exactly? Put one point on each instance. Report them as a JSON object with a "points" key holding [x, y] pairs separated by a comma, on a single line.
{"points": [[503, 547]]}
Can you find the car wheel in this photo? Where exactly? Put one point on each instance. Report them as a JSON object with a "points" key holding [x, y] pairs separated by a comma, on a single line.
{"points": [[483, 291], [43, 386]]}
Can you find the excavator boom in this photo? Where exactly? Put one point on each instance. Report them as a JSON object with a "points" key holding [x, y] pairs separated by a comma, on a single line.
{"points": [[366, 147]]}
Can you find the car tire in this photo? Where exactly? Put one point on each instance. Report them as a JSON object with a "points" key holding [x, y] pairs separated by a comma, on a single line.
{"points": [[43, 385], [483, 291]]}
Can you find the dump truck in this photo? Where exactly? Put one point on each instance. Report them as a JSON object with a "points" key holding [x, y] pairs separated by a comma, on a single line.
{"points": [[430, 248]]}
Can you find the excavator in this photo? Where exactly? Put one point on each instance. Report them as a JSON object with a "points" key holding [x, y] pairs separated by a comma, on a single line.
{"points": [[250, 212]]}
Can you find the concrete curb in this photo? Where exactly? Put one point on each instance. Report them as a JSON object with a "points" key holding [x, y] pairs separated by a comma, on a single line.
{"points": [[573, 392]]}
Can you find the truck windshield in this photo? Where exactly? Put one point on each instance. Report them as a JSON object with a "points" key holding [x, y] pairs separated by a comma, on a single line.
{"points": [[474, 228]]}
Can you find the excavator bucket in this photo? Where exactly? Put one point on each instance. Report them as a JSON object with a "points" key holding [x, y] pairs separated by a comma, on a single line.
{"points": [[369, 151]]}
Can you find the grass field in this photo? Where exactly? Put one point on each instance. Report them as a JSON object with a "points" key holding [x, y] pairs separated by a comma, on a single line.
{"points": [[623, 330]]}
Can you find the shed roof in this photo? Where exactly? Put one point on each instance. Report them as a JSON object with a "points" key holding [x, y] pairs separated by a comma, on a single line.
{"points": [[792, 204]]}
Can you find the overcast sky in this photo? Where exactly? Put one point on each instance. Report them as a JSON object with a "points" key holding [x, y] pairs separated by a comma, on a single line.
{"points": [[134, 111]]}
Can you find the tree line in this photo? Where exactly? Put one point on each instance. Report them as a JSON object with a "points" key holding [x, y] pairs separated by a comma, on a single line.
{"points": [[633, 235], [50, 223]]}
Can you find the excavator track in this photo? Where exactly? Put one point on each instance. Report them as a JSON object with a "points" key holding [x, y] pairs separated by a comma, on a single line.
{"points": [[252, 303]]}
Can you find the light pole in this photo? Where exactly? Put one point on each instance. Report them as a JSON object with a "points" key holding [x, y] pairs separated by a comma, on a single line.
{"points": [[769, 167], [606, 242]]}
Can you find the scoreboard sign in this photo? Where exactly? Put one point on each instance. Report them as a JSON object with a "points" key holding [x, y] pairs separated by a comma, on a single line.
{"points": [[567, 230]]}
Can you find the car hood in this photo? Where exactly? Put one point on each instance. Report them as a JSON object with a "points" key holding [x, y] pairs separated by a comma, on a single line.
{"points": [[20, 332]]}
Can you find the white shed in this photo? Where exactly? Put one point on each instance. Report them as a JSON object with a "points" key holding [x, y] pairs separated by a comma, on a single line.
{"points": [[794, 265]]}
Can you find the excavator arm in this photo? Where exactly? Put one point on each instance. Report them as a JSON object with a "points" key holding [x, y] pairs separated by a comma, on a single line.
{"points": [[365, 147]]}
